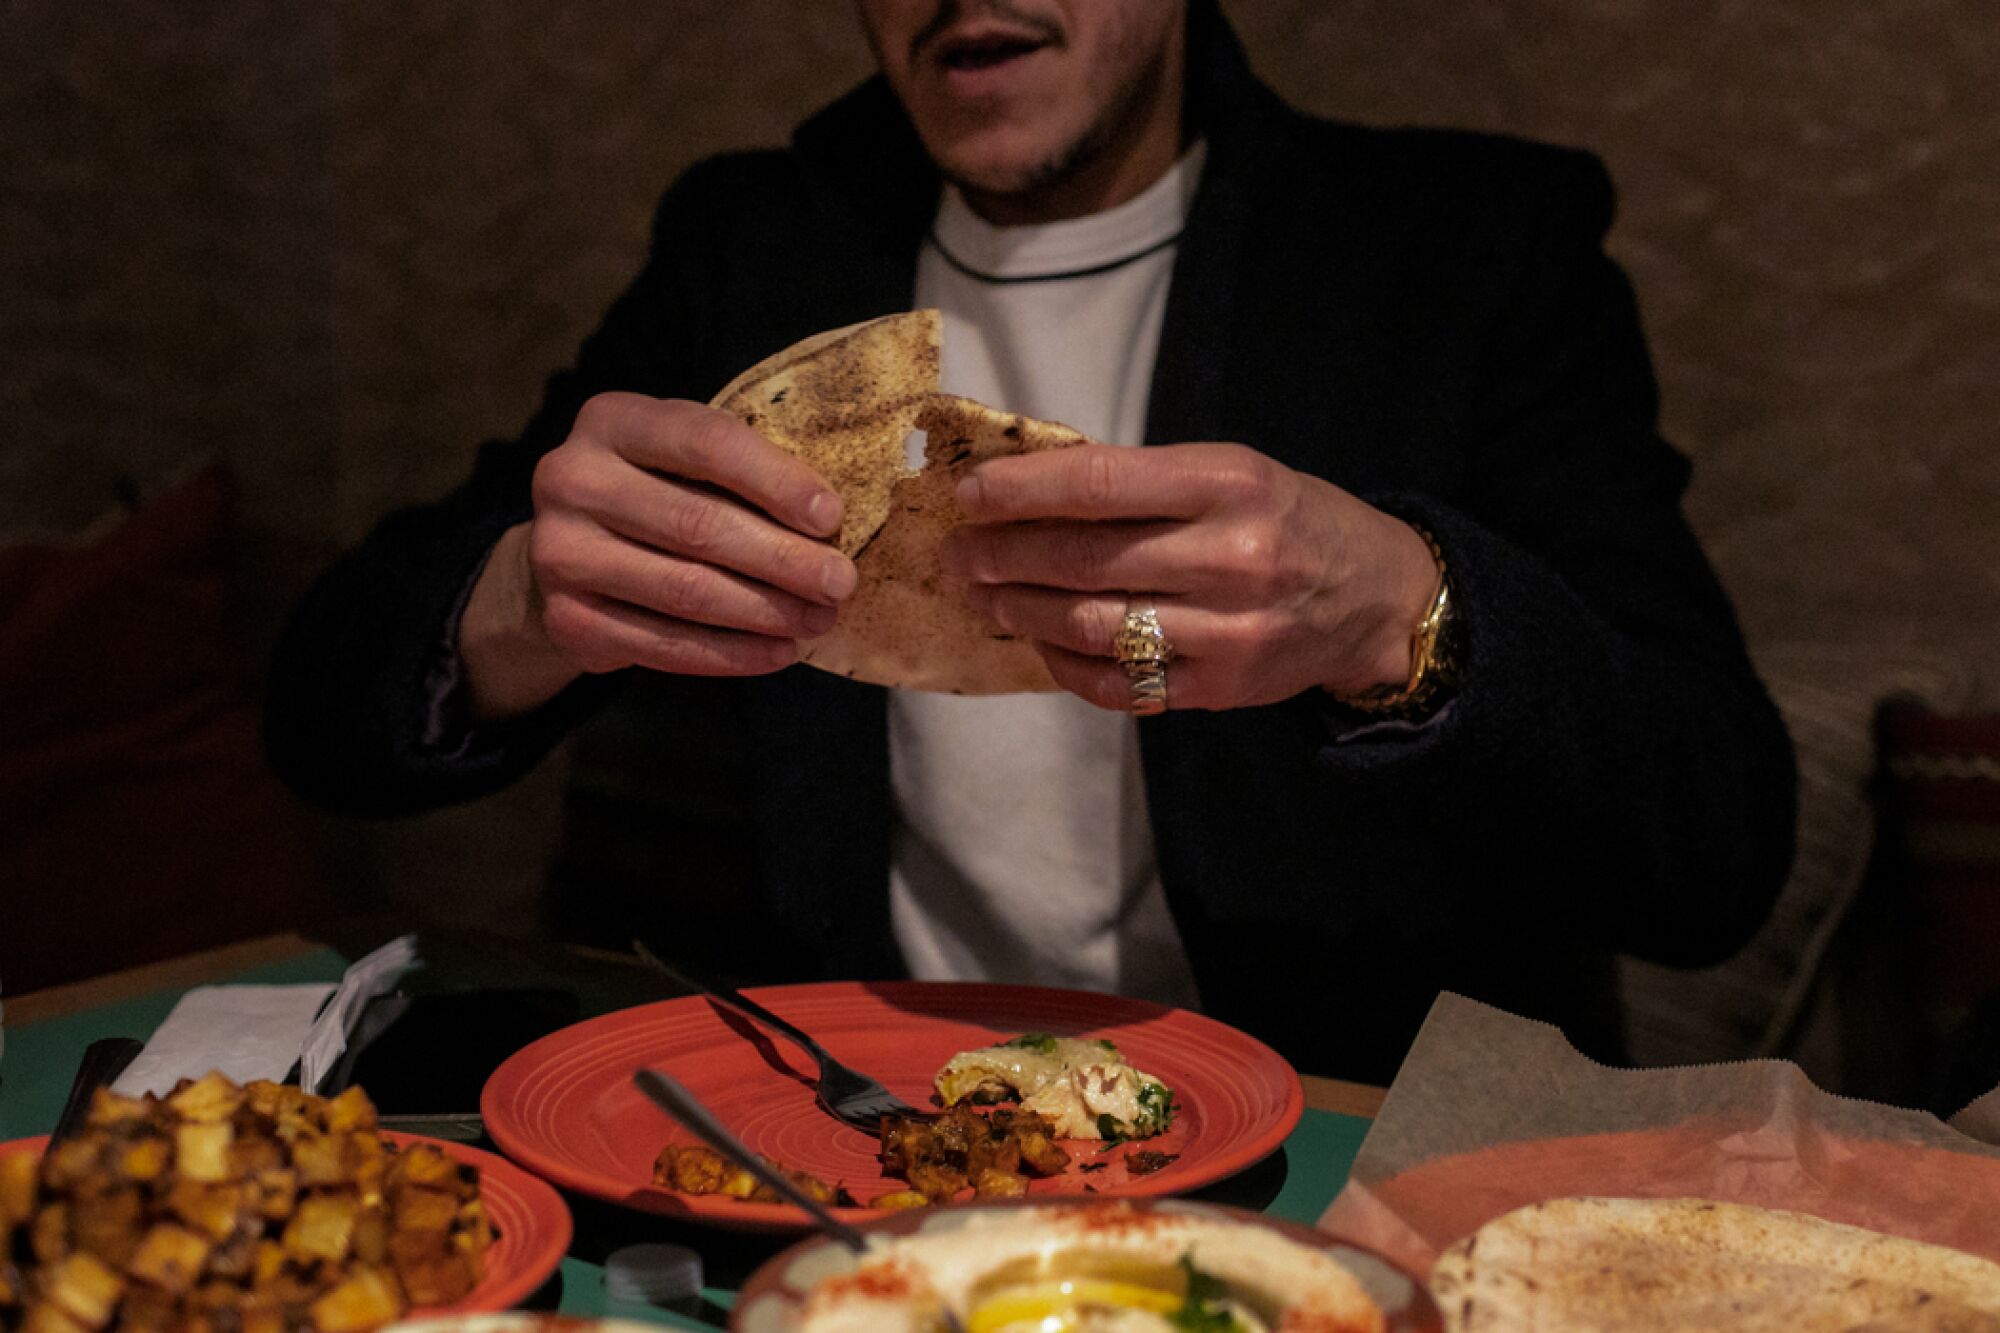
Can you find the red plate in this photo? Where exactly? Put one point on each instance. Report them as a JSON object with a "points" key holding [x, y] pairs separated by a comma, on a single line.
{"points": [[531, 1220], [565, 1106]]}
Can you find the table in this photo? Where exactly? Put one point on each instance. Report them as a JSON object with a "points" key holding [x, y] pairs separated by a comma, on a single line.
{"points": [[48, 1030]]}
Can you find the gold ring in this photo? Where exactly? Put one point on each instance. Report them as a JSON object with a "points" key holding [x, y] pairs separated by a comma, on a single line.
{"points": [[1142, 649]]}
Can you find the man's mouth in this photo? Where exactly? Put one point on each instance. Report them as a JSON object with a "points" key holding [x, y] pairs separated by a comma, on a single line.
{"points": [[986, 49]]}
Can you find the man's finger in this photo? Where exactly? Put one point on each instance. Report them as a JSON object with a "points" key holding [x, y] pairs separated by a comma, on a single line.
{"points": [[704, 444], [1081, 556], [670, 516], [692, 591], [1087, 624], [1102, 682], [606, 634], [1104, 481]]}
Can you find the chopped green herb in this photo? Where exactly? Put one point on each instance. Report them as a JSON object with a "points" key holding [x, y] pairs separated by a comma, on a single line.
{"points": [[1111, 1129], [1033, 1041], [1203, 1311], [1107, 1044]]}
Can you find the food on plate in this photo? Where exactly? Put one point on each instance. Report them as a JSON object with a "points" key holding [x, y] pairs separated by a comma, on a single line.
{"points": [[1084, 1087], [252, 1209], [1093, 1268], [1670, 1264], [694, 1169], [845, 401], [993, 1154]]}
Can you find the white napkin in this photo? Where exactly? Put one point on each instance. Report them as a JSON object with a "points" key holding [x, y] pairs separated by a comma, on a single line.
{"points": [[246, 1032], [365, 979]]}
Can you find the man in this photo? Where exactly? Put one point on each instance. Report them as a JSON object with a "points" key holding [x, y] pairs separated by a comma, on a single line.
{"points": [[1451, 697]]}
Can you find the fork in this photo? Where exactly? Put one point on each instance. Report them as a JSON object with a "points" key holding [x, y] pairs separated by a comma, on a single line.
{"points": [[847, 1093]]}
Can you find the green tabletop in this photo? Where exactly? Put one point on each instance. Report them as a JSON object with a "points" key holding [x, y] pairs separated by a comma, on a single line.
{"points": [[1295, 1183]]}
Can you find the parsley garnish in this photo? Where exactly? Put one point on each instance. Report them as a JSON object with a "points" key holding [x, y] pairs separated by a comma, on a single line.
{"points": [[1033, 1041], [1203, 1311]]}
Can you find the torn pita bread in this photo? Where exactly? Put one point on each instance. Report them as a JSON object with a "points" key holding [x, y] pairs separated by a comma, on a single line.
{"points": [[845, 401], [1653, 1265], [906, 624]]}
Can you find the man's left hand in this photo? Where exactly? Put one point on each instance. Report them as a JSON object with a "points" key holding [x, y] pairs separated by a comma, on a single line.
{"points": [[1267, 582]]}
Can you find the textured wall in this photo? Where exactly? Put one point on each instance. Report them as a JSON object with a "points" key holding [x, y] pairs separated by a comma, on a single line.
{"points": [[338, 244]]}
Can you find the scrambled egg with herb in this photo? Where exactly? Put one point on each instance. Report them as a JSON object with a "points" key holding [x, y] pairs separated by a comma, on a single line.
{"points": [[1084, 1087]]}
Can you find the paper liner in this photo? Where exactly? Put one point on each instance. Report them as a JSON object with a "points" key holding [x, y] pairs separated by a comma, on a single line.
{"points": [[1490, 1112]]}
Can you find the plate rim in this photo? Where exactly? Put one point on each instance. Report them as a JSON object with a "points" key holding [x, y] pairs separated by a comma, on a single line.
{"points": [[741, 1215]]}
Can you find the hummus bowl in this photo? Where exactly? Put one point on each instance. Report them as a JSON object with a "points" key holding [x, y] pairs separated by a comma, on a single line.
{"points": [[1081, 1266]]}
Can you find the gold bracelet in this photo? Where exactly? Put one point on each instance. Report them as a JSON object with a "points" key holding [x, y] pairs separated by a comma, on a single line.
{"points": [[1431, 666]]}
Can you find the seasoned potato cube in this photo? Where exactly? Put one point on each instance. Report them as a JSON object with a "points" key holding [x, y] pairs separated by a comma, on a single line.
{"points": [[108, 1222], [321, 1159], [170, 1257], [277, 1192], [71, 1162], [107, 1108], [323, 1227], [48, 1234], [686, 1167], [252, 1153], [267, 1263], [147, 1310], [350, 1110], [48, 1317], [210, 1209], [475, 1224], [86, 1288], [438, 1281], [208, 1099], [201, 1149], [424, 1164], [143, 1159], [371, 1234], [424, 1210], [17, 1188], [368, 1297], [896, 1201]]}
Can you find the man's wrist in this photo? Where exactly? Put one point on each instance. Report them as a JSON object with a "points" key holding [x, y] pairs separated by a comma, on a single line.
{"points": [[510, 667], [1419, 659]]}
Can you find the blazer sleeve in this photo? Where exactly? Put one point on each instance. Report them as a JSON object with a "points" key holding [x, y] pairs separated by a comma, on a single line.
{"points": [[368, 656], [1610, 741]]}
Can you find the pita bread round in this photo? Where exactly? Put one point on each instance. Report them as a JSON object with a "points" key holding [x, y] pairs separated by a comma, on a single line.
{"points": [[845, 401], [1653, 1265], [909, 626]]}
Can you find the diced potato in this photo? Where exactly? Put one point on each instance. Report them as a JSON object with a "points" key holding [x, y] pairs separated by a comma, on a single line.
{"points": [[898, 1200], [208, 1099], [475, 1224], [147, 1310], [48, 1317], [71, 1162], [424, 1210], [321, 1159], [267, 1263], [170, 1257], [48, 1234], [201, 1149], [262, 1317], [86, 1288], [424, 1164], [253, 1153], [277, 1192], [368, 1297], [233, 1258], [439, 1281], [17, 1188], [323, 1227], [371, 1234], [108, 1108], [214, 1210], [350, 1110], [108, 1222], [143, 1159]]}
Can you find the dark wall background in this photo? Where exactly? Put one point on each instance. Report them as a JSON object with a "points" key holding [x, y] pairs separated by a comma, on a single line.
{"points": [[336, 245]]}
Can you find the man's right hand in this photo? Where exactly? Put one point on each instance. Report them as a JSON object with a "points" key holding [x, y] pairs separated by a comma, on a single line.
{"points": [[666, 535]]}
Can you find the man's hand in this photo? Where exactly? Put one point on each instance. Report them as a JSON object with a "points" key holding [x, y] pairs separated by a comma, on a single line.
{"points": [[666, 535], [1268, 582]]}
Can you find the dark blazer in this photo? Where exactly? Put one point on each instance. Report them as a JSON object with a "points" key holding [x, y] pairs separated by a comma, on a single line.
{"points": [[1424, 318]]}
